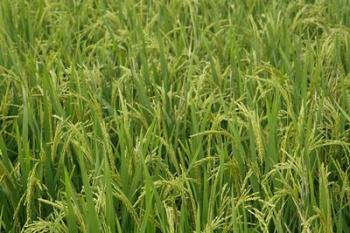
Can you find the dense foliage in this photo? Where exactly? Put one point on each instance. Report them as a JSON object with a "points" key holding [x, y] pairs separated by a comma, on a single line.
{"points": [[174, 116]]}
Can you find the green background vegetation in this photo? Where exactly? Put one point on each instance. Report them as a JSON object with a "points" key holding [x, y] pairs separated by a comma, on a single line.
{"points": [[174, 116]]}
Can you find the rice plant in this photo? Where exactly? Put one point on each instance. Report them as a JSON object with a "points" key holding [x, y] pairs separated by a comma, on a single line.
{"points": [[174, 116]]}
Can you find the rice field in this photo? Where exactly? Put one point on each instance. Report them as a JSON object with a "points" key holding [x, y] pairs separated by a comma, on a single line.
{"points": [[175, 116]]}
